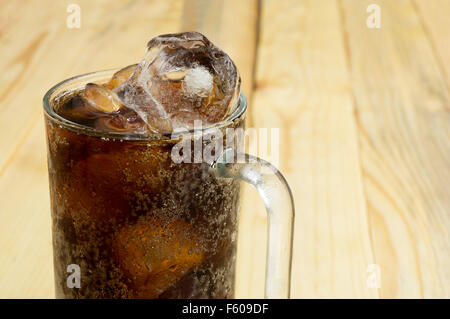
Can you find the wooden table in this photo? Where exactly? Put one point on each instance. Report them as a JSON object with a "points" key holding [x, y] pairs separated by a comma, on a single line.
{"points": [[364, 118]]}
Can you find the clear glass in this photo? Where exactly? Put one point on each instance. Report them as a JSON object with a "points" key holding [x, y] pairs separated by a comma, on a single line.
{"points": [[277, 196], [128, 222]]}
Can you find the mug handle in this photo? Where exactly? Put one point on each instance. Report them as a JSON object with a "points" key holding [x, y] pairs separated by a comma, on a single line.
{"points": [[277, 197]]}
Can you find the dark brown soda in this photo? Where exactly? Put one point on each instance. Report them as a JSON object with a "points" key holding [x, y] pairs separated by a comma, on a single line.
{"points": [[138, 224]]}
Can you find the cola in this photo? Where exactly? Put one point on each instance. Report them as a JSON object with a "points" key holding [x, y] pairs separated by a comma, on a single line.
{"points": [[136, 223]]}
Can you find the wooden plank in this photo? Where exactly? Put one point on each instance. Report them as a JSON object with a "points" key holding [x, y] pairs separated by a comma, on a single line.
{"points": [[26, 266], [403, 121], [302, 87], [38, 50], [399, 78], [222, 22], [434, 15]]}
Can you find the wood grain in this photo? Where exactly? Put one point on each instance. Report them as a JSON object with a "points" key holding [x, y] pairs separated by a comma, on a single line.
{"points": [[401, 103], [436, 24], [26, 264], [364, 131], [302, 87]]}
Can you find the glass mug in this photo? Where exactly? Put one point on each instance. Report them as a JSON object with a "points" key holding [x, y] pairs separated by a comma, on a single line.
{"points": [[129, 222]]}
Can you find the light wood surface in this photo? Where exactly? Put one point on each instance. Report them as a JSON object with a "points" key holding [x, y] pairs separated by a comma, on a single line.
{"points": [[401, 109], [364, 128]]}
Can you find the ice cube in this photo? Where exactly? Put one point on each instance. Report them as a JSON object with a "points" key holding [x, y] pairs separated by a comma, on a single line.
{"points": [[93, 102], [121, 123], [101, 98], [155, 255], [78, 109], [197, 82], [121, 76], [182, 73]]}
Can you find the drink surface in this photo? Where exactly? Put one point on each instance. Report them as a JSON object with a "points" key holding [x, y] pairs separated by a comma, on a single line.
{"points": [[138, 224]]}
